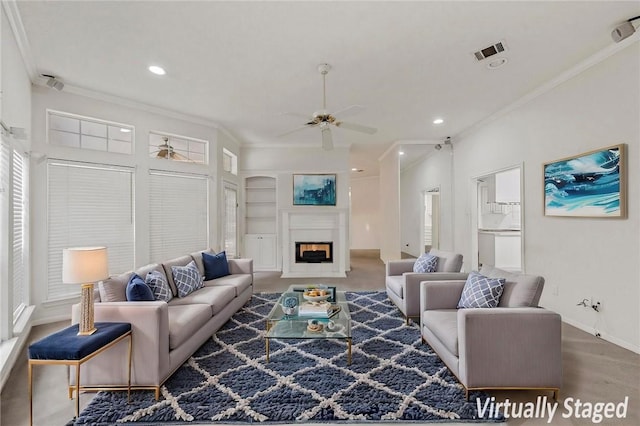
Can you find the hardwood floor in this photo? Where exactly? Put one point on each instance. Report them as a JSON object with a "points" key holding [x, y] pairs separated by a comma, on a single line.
{"points": [[594, 370]]}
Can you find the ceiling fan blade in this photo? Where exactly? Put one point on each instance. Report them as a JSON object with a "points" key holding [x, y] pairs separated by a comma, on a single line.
{"points": [[162, 153], [348, 111], [304, 126], [178, 157], [295, 114], [356, 127], [327, 139]]}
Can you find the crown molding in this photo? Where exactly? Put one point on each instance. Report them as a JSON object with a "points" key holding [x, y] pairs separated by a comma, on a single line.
{"points": [[17, 27]]}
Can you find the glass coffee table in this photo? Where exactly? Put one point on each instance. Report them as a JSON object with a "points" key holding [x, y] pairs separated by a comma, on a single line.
{"points": [[282, 326]]}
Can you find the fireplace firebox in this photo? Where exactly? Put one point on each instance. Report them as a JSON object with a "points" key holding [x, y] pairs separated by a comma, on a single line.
{"points": [[314, 252]]}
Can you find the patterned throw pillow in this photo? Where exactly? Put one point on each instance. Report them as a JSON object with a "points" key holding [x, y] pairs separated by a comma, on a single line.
{"points": [[137, 290], [426, 263], [187, 278], [159, 285], [481, 292]]}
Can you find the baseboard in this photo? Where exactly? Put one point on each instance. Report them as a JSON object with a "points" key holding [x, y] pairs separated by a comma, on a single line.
{"points": [[604, 336]]}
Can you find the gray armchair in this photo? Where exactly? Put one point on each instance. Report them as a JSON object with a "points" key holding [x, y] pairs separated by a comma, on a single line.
{"points": [[403, 285], [516, 345]]}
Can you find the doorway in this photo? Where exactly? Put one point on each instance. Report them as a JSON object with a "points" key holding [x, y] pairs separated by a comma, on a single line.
{"points": [[500, 238], [431, 219]]}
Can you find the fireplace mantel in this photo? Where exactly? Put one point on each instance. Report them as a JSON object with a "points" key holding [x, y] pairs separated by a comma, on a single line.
{"points": [[314, 224]]}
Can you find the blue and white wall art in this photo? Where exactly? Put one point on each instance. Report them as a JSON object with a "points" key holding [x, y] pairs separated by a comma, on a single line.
{"points": [[588, 185], [314, 190]]}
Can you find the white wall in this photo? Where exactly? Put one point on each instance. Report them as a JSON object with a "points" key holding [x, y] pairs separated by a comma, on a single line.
{"points": [[365, 213], [579, 258], [433, 171], [144, 122]]}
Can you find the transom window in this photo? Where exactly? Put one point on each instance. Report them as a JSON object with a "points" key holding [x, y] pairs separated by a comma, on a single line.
{"points": [[229, 162], [177, 148], [75, 131]]}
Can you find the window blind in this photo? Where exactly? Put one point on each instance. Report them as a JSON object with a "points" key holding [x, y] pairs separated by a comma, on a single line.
{"points": [[178, 214], [88, 205], [230, 221], [18, 228]]}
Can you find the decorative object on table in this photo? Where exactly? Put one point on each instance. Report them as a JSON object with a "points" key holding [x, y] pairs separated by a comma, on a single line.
{"points": [[306, 380], [289, 304], [315, 326], [85, 266], [316, 295], [592, 184], [314, 190], [318, 309], [331, 290]]}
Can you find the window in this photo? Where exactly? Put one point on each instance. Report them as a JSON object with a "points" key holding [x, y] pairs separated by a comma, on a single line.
{"points": [[18, 228], [229, 162], [14, 291], [75, 131], [178, 214], [177, 148], [88, 205], [230, 223]]}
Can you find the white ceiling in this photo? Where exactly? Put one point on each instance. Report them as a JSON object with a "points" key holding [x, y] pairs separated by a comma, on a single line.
{"points": [[241, 64]]}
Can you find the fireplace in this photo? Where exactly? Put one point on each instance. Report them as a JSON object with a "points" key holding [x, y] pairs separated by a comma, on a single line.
{"points": [[314, 252]]}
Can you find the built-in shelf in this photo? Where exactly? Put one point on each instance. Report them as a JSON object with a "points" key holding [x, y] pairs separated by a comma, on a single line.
{"points": [[260, 205]]}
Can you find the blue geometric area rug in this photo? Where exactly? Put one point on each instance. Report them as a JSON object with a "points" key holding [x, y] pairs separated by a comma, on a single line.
{"points": [[393, 377]]}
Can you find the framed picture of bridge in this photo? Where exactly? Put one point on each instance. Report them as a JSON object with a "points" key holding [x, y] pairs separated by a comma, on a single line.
{"points": [[314, 190], [592, 184]]}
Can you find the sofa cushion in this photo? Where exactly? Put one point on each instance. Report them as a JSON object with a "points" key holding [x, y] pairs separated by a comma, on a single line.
{"points": [[157, 282], [240, 282], [197, 256], [443, 323], [426, 263], [138, 290], [215, 265], [395, 283], [178, 261], [447, 260], [185, 321], [215, 297], [187, 278], [481, 292], [520, 290], [114, 289]]}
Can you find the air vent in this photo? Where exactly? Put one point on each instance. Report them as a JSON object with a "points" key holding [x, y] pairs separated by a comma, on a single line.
{"points": [[489, 51]]}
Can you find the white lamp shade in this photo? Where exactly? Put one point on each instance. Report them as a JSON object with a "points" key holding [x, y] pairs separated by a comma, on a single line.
{"points": [[81, 265]]}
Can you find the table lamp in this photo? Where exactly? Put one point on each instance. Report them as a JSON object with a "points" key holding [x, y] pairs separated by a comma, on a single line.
{"points": [[85, 266]]}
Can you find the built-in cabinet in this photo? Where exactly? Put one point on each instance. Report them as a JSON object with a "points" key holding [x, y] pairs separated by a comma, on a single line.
{"points": [[260, 242], [500, 249]]}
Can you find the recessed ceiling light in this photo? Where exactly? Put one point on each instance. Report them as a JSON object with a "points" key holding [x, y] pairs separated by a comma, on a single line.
{"points": [[355, 169], [157, 70], [438, 121], [123, 130], [497, 63], [400, 152]]}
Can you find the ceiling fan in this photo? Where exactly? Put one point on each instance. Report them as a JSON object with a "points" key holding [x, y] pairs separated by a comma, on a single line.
{"points": [[166, 151], [324, 119]]}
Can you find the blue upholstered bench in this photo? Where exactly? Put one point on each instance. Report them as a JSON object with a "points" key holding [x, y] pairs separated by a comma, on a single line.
{"points": [[65, 347]]}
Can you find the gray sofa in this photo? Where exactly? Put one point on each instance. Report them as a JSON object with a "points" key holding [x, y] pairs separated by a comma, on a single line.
{"points": [[516, 345], [165, 334], [403, 285]]}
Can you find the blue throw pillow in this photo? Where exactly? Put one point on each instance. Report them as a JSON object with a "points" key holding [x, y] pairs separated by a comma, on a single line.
{"points": [[481, 292], [187, 278], [137, 290], [215, 265], [426, 263], [158, 284]]}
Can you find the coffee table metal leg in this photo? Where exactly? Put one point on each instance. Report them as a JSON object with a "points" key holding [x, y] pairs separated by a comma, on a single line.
{"points": [[349, 351], [30, 371], [266, 342]]}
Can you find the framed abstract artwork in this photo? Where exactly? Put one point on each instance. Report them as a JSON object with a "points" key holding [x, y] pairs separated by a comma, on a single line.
{"points": [[314, 190], [592, 184]]}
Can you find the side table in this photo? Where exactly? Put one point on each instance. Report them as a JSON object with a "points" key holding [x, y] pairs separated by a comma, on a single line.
{"points": [[65, 347]]}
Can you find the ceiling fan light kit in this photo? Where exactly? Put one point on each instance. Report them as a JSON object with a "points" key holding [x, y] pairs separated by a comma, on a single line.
{"points": [[324, 119]]}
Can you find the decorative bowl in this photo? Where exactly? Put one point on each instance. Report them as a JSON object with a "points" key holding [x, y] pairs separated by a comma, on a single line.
{"points": [[315, 298]]}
